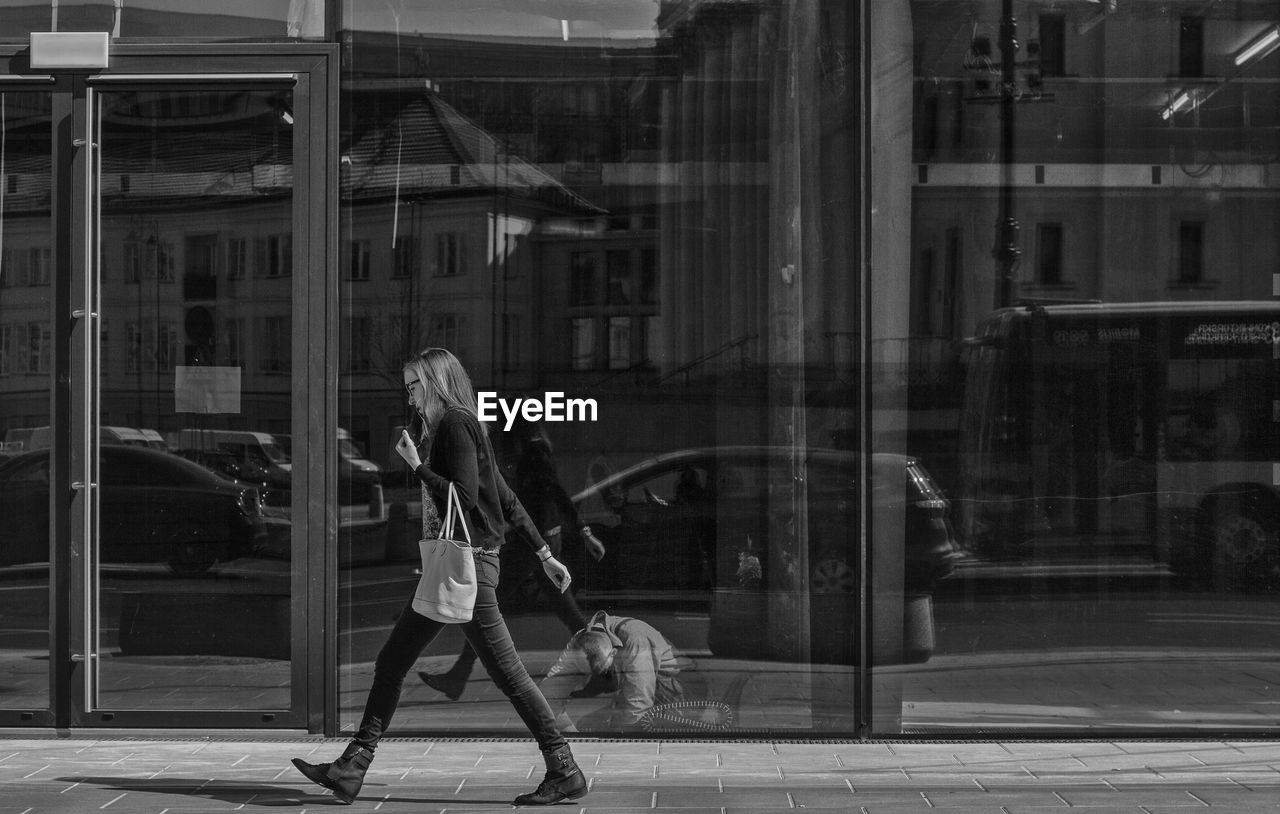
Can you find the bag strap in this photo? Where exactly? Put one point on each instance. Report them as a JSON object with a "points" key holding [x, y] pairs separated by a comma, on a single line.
{"points": [[454, 508]]}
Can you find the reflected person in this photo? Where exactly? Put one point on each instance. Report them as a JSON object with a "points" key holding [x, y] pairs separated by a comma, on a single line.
{"points": [[461, 456], [640, 657]]}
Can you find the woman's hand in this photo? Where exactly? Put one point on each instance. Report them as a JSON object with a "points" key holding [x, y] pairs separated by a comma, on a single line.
{"points": [[555, 570], [408, 450]]}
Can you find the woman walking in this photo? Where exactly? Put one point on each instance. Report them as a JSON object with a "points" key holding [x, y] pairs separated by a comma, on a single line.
{"points": [[538, 488], [462, 456]]}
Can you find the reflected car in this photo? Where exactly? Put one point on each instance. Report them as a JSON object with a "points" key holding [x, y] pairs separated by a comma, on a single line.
{"points": [[352, 459], [154, 507], [700, 526]]}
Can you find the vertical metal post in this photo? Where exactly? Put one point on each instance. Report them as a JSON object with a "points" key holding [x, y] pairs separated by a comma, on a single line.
{"points": [[82, 222], [60, 409], [1006, 251]]}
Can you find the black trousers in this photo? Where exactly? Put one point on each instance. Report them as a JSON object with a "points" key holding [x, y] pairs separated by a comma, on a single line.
{"points": [[488, 636]]}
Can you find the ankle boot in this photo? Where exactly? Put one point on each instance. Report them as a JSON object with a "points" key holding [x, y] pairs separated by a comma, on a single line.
{"points": [[344, 776], [563, 781]]}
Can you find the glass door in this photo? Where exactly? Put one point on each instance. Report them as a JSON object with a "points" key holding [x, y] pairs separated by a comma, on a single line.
{"points": [[26, 386], [189, 580], [178, 581]]}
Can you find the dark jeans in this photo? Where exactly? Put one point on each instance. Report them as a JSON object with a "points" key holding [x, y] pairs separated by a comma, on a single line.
{"points": [[488, 636], [519, 564]]}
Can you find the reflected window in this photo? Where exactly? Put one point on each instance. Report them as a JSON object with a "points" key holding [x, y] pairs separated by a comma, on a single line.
{"points": [[359, 353], [1191, 46], [1053, 45], [648, 277], [651, 338], [132, 259], [1190, 252], [39, 260], [359, 254], [1049, 253], [619, 343], [39, 347], [583, 349], [233, 331], [618, 264], [166, 346], [404, 258], [450, 255], [446, 331], [275, 256], [236, 258], [582, 278], [273, 350], [512, 341]]}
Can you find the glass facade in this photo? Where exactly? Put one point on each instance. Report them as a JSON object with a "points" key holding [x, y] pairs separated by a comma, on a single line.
{"points": [[1090, 344], [913, 362], [630, 209]]}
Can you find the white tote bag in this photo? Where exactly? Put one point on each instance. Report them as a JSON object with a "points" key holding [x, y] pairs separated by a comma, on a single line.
{"points": [[447, 590]]}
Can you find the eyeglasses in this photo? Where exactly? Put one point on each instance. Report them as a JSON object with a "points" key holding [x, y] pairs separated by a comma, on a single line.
{"points": [[409, 385]]}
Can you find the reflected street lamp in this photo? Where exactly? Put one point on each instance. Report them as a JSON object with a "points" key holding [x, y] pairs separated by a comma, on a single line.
{"points": [[1006, 251]]}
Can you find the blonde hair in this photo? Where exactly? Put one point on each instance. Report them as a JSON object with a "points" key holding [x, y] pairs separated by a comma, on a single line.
{"points": [[440, 370]]}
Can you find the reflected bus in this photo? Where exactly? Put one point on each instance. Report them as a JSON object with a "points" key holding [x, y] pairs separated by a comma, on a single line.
{"points": [[1124, 440]]}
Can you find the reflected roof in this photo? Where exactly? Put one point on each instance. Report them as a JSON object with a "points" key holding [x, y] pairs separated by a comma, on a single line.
{"points": [[430, 149], [242, 150]]}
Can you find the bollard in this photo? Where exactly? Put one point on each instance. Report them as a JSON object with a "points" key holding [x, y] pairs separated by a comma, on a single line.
{"points": [[917, 628]]}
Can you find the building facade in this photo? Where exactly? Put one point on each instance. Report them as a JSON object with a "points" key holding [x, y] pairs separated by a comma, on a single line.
{"points": [[914, 360]]}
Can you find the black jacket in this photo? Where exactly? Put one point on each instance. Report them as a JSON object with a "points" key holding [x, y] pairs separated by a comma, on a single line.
{"points": [[461, 454]]}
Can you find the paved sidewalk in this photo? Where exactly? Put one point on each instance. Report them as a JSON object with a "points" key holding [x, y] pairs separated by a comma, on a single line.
{"points": [[218, 774]]}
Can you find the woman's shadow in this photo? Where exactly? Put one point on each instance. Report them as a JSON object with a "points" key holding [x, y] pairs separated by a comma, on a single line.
{"points": [[240, 792]]}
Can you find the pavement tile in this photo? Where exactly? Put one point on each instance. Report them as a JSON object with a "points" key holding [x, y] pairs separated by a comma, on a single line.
{"points": [[1270, 782], [1230, 796], [1143, 795], [1121, 809], [1123, 782], [821, 797], [1243, 808], [991, 799], [590, 808], [138, 776]]}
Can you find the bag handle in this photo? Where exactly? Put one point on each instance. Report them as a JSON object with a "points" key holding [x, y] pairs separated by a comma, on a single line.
{"points": [[454, 507]]}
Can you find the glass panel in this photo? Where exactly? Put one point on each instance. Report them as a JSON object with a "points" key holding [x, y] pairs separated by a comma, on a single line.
{"points": [[228, 20], [26, 357], [196, 399], [1086, 356], [651, 221]]}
